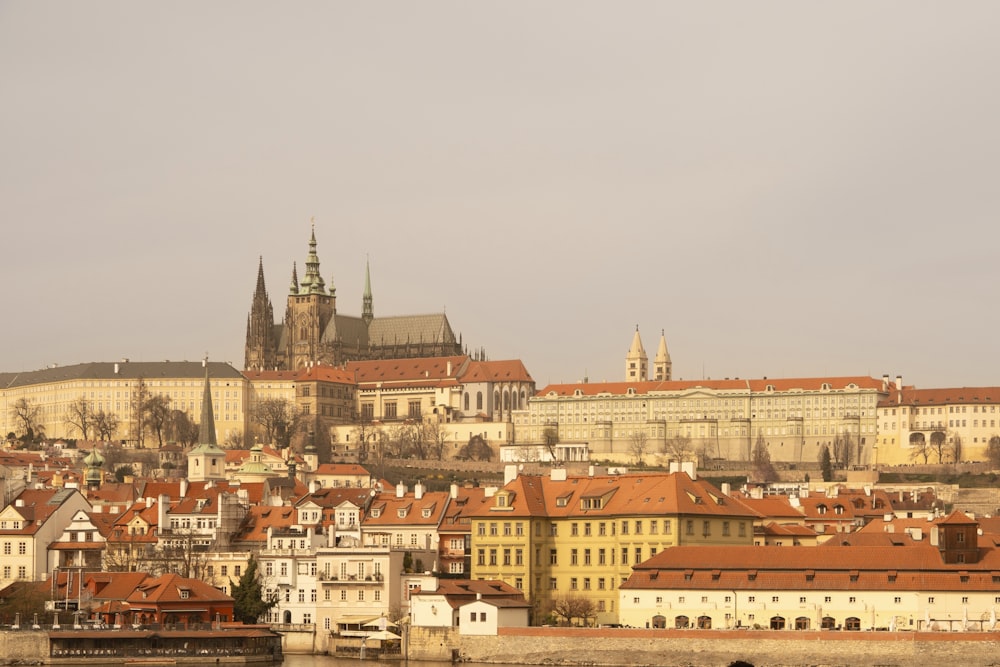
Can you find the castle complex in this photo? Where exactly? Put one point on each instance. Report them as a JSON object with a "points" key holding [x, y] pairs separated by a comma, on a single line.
{"points": [[312, 330]]}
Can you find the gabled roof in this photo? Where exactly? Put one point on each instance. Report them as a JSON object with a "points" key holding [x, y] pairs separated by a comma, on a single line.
{"points": [[168, 587], [406, 372], [260, 518], [633, 494], [433, 503], [321, 373]]}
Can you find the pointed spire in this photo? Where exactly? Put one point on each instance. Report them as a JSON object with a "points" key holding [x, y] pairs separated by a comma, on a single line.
{"points": [[313, 282], [206, 430], [636, 360], [367, 308], [294, 287], [661, 364], [261, 290]]}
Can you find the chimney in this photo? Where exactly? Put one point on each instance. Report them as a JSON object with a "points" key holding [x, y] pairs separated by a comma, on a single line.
{"points": [[558, 475], [312, 486], [163, 505], [116, 368], [675, 466], [454, 491], [448, 371], [509, 473], [688, 467], [727, 488], [418, 490], [184, 487], [149, 502], [885, 382], [400, 490], [899, 383]]}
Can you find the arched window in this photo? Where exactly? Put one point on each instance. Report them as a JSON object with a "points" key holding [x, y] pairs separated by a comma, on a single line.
{"points": [[659, 621], [506, 401], [852, 623], [828, 623], [681, 621], [479, 400], [777, 623], [466, 401], [496, 400], [705, 622], [802, 623]]}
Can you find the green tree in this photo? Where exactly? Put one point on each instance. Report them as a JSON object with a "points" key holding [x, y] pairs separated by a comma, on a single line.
{"points": [[250, 602], [826, 464]]}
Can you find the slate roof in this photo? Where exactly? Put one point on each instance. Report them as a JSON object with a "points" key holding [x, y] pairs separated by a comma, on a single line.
{"points": [[105, 370]]}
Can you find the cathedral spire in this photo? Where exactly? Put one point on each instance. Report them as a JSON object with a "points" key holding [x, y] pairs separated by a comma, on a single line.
{"points": [[261, 290], [294, 287], [206, 430], [313, 282], [367, 309]]}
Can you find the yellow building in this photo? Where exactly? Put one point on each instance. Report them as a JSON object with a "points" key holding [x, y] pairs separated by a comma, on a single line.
{"points": [[114, 388], [937, 425], [560, 538]]}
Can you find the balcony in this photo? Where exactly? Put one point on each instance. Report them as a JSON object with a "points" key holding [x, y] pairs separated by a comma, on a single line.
{"points": [[349, 579]]}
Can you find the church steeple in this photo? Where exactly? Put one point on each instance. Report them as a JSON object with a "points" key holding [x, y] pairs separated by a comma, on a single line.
{"points": [[662, 367], [367, 309], [636, 361], [206, 430]]}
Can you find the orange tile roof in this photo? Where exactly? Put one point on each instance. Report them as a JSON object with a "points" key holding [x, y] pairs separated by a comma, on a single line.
{"points": [[325, 374], [620, 495], [510, 370], [396, 371], [388, 507], [950, 396]]}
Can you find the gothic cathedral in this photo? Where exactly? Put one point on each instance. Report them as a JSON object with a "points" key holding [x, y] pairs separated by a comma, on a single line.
{"points": [[312, 330]]}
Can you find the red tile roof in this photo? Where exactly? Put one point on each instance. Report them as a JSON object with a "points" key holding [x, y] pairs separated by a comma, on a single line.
{"points": [[756, 386]]}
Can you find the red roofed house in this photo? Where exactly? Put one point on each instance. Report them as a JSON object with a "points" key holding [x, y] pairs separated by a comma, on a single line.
{"points": [[35, 519]]}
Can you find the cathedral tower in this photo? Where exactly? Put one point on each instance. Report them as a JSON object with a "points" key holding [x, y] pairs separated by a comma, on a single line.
{"points": [[260, 352], [636, 361], [310, 309], [662, 368]]}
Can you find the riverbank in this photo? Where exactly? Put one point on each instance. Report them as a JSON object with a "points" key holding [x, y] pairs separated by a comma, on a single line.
{"points": [[705, 648]]}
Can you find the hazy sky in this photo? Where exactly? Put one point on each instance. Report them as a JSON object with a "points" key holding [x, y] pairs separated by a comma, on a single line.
{"points": [[787, 188]]}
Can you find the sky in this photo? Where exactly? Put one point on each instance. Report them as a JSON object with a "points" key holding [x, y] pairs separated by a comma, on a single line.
{"points": [[786, 189]]}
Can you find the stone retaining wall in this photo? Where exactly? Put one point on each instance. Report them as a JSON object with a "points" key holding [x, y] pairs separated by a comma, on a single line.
{"points": [[711, 648]]}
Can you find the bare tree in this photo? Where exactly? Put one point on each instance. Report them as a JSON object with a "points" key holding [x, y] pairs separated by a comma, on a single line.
{"points": [[105, 425], [418, 441], [638, 443], [677, 448], [550, 438], [571, 607], [843, 449], [80, 415], [920, 449], [368, 438], [939, 443], [275, 417], [156, 413], [397, 440], [993, 451], [436, 439], [26, 415], [234, 440]]}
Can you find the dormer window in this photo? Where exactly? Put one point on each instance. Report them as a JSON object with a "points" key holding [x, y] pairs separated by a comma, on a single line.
{"points": [[838, 509], [426, 513], [185, 593], [376, 512], [401, 513], [821, 509]]}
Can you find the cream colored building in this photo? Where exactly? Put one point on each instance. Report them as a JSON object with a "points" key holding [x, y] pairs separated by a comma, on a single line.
{"points": [[113, 387], [722, 419], [946, 582], [924, 425], [35, 519]]}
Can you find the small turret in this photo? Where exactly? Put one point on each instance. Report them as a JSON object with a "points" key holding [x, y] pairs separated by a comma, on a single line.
{"points": [[636, 361], [367, 308]]}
